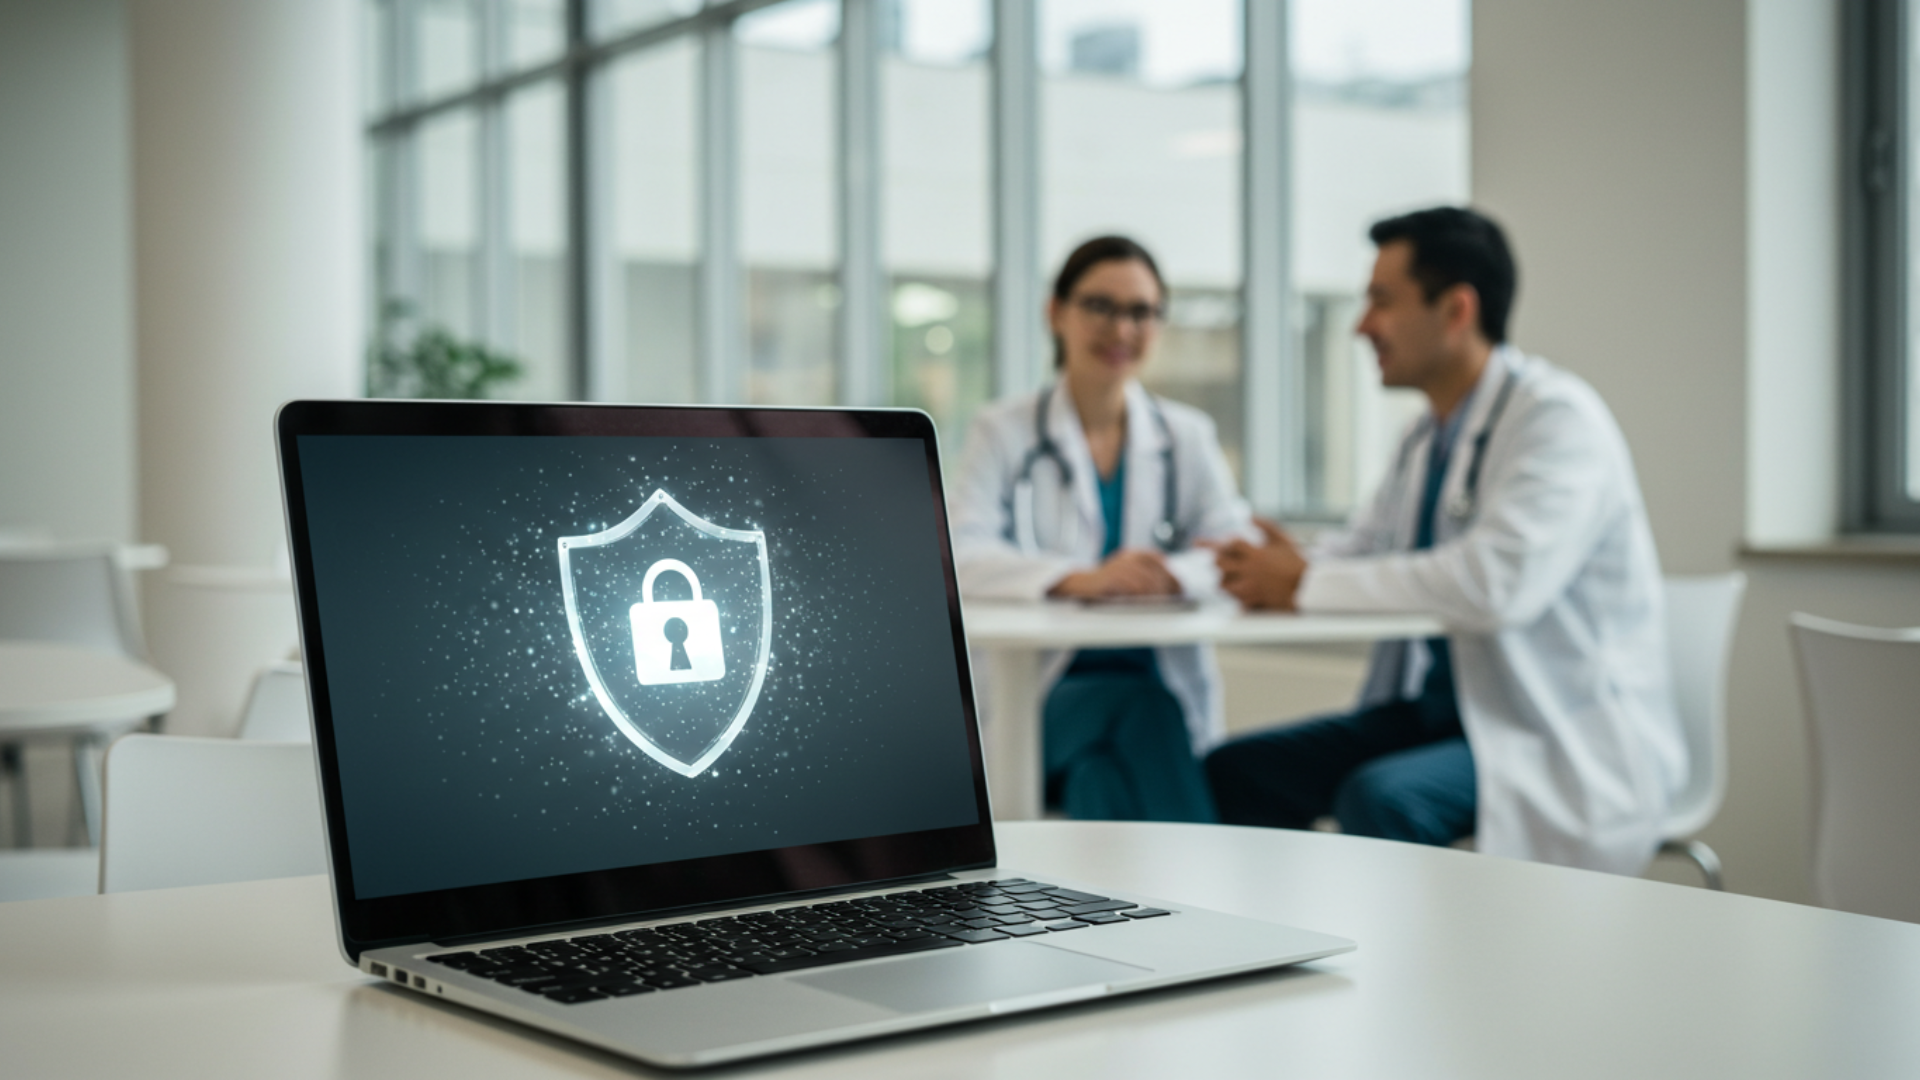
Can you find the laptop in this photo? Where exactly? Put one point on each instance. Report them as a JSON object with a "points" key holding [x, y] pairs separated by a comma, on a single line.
{"points": [[653, 727]]}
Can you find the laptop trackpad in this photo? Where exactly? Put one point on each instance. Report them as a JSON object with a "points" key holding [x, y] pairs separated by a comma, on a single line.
{"points": [[974, 975]]}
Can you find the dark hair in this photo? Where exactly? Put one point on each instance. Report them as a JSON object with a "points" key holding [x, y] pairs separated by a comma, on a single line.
{"points": [[1098, 250], [1456, 246]]}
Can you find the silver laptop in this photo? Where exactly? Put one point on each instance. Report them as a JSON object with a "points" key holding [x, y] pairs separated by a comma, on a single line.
{"points": [[653, 727]]}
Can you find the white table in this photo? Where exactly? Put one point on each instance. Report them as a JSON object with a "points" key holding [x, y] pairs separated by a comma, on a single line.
{"points": [[1468, 966], [79, 694], [1017, 634]]}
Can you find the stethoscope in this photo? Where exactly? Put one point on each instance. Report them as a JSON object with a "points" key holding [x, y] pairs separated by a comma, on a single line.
{"points": [[1461, 504], [1167, 534]]}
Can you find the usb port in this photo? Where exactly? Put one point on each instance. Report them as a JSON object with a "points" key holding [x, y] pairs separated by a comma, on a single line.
{"points": [[379, 969]]}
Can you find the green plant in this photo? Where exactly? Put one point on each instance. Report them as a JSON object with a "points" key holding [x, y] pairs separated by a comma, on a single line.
{"points": [[434, 363]]}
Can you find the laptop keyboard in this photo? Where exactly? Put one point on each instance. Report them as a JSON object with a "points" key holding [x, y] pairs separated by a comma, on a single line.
{"points": [[626, 962]]}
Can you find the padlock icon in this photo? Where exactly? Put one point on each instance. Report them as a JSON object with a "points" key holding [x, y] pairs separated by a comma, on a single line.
{"points": [[676, 641]]}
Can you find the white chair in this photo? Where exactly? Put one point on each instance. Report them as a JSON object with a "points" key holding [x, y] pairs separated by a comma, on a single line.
{"points": [[191, 811], [276, 708], [1861, 689], [47, 873], [75, 594], [72, 594], [1702, 613]]}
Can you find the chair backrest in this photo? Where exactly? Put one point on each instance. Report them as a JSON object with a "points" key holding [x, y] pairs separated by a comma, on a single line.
{"points": [[1861, 688], [72, 594], [1701, 615], [277, 705], [191, 811]]}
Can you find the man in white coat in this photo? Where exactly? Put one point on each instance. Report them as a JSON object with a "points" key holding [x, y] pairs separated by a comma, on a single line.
{"points": [[1543, 722]]}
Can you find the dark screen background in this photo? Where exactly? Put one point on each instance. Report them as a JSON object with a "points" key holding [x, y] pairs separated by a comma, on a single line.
{"points": [[471, 748]]}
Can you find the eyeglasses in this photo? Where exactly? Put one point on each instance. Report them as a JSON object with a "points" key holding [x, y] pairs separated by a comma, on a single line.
{"points": [[1111, 310]]}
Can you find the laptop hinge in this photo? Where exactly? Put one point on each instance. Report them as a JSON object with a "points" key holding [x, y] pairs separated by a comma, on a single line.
{"points": [[694, 909]]}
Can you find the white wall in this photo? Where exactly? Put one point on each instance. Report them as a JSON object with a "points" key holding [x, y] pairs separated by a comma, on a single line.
{"points": [[1665, 170], [66, 330], [1610, 140]]}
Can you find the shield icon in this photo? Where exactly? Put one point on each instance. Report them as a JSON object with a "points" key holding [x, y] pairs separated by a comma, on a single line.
{"points": [[672, 618]]}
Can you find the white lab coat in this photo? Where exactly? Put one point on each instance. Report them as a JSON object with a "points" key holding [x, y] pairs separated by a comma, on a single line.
{"points": [[1552, 597], [1070, 530]]}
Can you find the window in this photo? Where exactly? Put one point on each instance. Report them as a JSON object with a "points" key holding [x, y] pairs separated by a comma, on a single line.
{"points": [[655, 181], [789, 228], [1141, 134], [1379, 127], [1884, 239], [936, 144], [863, 201]]}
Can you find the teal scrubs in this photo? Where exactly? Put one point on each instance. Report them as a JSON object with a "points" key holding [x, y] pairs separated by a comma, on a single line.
{"points": [[1116, 743]]}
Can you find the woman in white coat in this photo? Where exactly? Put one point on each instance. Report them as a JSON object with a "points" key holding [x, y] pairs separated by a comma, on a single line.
{"points": [[1093, 488]]}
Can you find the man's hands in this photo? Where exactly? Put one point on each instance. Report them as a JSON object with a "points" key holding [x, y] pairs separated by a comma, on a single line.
{"points": [[1262, 576], [1127, 572]]}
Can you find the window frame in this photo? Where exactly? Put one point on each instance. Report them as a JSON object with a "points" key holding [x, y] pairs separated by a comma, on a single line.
{"points": [[1878, 169]]}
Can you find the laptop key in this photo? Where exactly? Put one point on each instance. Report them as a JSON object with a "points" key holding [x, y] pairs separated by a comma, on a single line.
{"points": [[716, 973], [1100, 918], [1068, 925], [848, 956], [671, 982], [1072, 897], [625, 989], [1104, 905], [1024, 929], [974, 937], [575, 995], [726, 976]]}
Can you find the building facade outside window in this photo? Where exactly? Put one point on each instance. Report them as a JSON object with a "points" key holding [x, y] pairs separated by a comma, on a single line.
{"points": [[801, 202]]}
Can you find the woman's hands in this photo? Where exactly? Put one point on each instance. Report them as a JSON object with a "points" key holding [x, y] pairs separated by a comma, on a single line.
{"points": [[1127, 572]]}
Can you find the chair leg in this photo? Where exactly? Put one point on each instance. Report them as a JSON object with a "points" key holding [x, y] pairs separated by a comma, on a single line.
{"points": [[1700, 855], [13, 766], [86, 773]]}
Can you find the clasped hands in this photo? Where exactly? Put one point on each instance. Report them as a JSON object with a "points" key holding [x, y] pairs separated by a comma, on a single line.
{"points": [[1263, 576], [1260, 576]]}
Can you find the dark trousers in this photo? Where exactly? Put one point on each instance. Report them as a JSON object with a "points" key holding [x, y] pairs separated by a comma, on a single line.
{"points": [[1116, 748], [1399, 771]]}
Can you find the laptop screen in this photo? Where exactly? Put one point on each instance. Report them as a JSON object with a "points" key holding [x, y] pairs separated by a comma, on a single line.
{"points": [[545, 655]]}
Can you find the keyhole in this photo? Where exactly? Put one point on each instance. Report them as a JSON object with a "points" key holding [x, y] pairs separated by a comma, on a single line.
{"points": [[676, 631]]}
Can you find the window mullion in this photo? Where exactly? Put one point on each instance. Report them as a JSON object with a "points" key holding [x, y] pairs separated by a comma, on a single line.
{"points": [[399, 176], [1274, 389], [864, 360], [722, 335], [494, 285], [588, 245]]}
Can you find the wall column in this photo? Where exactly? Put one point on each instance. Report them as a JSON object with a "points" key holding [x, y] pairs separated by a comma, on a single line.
{"points": [[248, 277]]}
